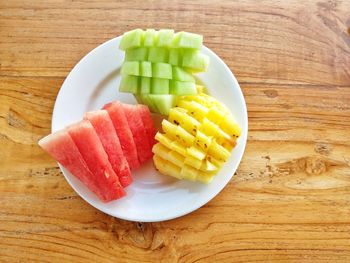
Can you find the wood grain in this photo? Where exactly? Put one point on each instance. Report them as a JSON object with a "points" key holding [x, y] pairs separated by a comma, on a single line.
{"points": [[290, 198]]}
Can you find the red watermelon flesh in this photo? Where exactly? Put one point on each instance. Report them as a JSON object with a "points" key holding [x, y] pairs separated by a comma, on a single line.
{"points": [[63, 149], [91, 148], [104, 128], [147, 123], [116, 113], [144, 150]]}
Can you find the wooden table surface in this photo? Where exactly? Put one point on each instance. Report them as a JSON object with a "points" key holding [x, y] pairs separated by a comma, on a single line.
{"points": [[290, 198]]}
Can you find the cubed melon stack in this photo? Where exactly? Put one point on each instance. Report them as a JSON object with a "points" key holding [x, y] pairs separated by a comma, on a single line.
{"points": [[198, 138], [159, 66], [103, 148]]}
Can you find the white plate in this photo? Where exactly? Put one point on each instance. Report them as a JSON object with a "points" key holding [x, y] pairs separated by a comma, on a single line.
{"points": [[152, 197]]}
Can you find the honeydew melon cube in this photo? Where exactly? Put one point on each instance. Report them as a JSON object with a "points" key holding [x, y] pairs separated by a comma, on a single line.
{"points": [[163, 103], [145, 85], [146, 69], [158, 54], [182, 87], [129, 84], [175, 57], [195, 61], [165, 37], [130, 68], [147, 101], [160, 86], [149, 38], [182, 75], [131, 39], [136, 54], [162, 70], [187, 40]]}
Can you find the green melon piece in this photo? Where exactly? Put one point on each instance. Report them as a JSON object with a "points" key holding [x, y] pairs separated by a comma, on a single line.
{"points": [[160, 86], [182, 75], [146, 69], [136, 54], [130, 68], [145, 85], [163, 103], [195, 61], [182, 87], [138, 98], [147, 101], [131, 39], [129, 84], [162, 70], [158, 54], [175, 56], [149, 38], [165, 37], [187, 40]]}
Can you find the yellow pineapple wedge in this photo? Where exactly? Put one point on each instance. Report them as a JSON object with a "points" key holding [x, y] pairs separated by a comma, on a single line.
{"points": [[198, 138]]}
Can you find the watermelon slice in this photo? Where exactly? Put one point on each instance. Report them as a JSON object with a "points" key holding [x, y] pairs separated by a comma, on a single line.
{"points": [[144, 150], [147, 123], [104, 128], [116, 112], [63, 149], [91, 148]]}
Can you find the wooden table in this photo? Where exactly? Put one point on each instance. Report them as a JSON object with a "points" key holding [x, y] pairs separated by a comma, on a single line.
{"points": [[290, 198]]}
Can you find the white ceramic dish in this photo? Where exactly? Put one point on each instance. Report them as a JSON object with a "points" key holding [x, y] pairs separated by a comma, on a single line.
{"points": [[152, 197]]}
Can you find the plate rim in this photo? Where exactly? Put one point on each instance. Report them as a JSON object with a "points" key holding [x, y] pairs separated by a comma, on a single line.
{"points": [[183, 211]]}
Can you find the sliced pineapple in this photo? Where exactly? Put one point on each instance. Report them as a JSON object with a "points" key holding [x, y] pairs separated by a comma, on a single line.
{"points": [[177, 133], [198, 138], [166, 167]]}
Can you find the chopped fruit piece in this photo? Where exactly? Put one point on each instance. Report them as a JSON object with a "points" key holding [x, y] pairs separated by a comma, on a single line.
{"points": [[160, 86], [182, 87], [129, 84], [136, 54], [182, 75], [162, 70], [188, 40], [195, 61], [146, 69], [145, 87], [130, 68], [149, 38], [104, 128], [175, 57], [158, 54], [165, 37], [131, 39], [120, 123]]}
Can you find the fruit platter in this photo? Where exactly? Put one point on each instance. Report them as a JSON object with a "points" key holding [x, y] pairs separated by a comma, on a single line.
{"points": [[149, 126]]}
